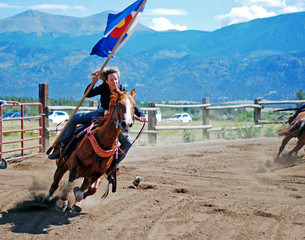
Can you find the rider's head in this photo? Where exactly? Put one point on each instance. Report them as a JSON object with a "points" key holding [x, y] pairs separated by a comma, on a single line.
{"points": [[107, 71], [111, 76]]}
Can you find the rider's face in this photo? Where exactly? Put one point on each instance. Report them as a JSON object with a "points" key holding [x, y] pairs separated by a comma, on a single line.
{"points": [[112, 81]]}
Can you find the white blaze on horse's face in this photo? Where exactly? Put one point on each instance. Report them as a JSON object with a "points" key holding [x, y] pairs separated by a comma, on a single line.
{"points": [[128, 116]]}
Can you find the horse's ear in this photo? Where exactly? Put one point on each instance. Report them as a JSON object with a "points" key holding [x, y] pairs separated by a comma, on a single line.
{"points": [[133, 92]]}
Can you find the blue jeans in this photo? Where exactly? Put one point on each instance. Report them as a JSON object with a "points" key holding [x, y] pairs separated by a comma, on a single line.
{"points": [[85, 118], [79, 118], [125, 145]]}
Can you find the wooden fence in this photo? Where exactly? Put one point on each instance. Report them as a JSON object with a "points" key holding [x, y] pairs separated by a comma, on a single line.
{"points": [[153, 128]]}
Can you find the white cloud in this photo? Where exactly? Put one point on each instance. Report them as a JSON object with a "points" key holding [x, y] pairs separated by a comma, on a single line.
{"points": [[264, 3], [163, 24], [298, 6], [45, 6], [283, 6], [244, 14], [56, 6], [292, 9], [167, 12], [4, 5]]}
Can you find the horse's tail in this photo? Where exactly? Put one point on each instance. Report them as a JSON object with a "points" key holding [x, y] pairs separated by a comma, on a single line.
{"points": [[283, 131], [298, 127]]}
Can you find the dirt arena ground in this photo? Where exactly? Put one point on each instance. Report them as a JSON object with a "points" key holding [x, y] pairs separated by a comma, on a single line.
{"points": [[218, 189]]}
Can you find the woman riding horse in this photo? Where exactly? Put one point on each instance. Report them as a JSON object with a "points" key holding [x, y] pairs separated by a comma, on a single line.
{"points": [[94, 153], [111, 81]]}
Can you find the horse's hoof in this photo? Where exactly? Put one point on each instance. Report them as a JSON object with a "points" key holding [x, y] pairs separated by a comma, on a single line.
{"points": [[61, 205], [76, 208], [44, 199]]}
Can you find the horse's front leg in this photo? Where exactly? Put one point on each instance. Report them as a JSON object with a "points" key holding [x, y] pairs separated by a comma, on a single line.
{"points": [[284, 143], [62, 202], [60, 171]]}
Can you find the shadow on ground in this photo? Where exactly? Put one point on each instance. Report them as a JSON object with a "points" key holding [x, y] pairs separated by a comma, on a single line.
{"points": [[35, 216]]}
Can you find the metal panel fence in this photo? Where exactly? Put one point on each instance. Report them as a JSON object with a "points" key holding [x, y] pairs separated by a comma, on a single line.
{"points": [[22, 118]]}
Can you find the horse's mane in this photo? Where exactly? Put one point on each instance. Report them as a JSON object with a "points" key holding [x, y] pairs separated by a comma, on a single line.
{"points": [[113, 98]]}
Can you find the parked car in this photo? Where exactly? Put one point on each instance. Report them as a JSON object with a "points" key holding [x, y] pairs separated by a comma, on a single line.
{"points": [[181, 117], [58, 116], [14, 115], [158, 115]]}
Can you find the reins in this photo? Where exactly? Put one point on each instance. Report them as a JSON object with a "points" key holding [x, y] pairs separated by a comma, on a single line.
{"points": [[117, 121], [140, 132]]}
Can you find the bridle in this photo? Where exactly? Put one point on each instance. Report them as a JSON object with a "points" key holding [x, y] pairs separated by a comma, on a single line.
{"points": [[115, 108]]}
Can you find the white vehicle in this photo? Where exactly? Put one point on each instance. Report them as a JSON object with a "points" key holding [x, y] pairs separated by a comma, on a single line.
{"points": [[181, 117], [58, 116], [158, 116]]}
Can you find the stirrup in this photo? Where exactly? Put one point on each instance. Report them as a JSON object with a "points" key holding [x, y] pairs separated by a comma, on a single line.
{"points": [[55, 154]]}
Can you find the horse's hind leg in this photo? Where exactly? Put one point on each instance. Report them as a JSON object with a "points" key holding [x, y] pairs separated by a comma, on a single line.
{"points": [[295, 149], [60, 171], [300, 144], [85, 191], [93, 187], [79, 195]]}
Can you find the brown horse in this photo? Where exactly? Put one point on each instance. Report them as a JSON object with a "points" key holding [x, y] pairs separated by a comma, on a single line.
{"points": [[300, 115], [92, 164], [295, 129]]}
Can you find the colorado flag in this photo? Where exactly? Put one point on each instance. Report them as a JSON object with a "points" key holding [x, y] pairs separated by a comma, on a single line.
{"points": [[116, 25]]}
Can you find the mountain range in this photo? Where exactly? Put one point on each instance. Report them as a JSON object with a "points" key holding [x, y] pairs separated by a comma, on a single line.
{"points": [[261, 58]]}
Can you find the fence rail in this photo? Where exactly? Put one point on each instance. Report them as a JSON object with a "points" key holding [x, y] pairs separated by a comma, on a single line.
{"points": [[152, 108], [153, 128]]}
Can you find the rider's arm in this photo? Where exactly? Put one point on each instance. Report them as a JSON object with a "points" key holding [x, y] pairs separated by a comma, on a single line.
{"points": [[95, 90], [140, 114]]}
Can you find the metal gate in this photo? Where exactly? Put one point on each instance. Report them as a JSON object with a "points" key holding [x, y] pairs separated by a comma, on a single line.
{"points": [[23, 129]]}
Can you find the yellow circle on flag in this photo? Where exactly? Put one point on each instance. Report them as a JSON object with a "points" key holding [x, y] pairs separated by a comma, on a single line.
{"points": [[121, 24]]}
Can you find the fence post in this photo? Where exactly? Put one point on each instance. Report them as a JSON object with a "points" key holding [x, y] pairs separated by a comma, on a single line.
{"points": [[205, 117], [152, 122], [44, 100], [93, 103], [257, 113]]}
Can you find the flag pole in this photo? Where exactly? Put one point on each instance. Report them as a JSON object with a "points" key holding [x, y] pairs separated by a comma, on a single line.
{"points": [[99, 73]]}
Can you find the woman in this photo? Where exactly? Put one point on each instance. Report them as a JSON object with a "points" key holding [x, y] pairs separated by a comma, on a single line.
{"points": [[111, 81]]}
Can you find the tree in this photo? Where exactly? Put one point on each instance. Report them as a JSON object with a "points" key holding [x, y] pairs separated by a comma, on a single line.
{"points": [[300, 95]]}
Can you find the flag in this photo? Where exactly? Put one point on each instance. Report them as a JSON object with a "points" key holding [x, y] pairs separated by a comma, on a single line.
{"points": [[116, 26]]}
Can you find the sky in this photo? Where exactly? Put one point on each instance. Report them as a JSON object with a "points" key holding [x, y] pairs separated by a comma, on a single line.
{"points": [[162, 15]]}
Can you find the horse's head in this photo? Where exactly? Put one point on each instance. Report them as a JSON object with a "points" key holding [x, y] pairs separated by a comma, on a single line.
{"points": [[123, 105]]}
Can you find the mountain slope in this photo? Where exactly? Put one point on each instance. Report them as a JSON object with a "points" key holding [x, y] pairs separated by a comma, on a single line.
{"points": [[38, 22], [261, 58], [261, 37]]}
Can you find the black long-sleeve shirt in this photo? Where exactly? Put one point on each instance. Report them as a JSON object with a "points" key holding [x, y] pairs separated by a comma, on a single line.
{"points": [[104, 91]]}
